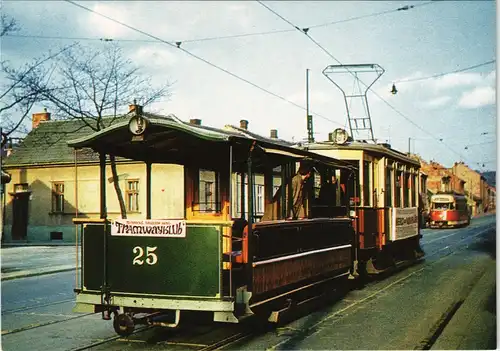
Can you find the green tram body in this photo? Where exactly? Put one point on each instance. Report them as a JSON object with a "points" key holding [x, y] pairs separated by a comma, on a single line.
{"points": [[386, 201], [224, 267]]}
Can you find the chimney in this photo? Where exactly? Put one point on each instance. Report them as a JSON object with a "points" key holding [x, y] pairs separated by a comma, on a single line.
{"points": [[40, 117], [195, 121], [244, 124], [274, 134]]}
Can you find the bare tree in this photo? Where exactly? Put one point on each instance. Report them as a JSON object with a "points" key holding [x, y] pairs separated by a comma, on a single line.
{"points": [[93, 86], [13, 97], [7, 25]]}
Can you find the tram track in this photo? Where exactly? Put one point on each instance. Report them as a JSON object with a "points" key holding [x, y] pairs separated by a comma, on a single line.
{"points": [[110, 339], [233, 339], [341, 314], [237, 335]]}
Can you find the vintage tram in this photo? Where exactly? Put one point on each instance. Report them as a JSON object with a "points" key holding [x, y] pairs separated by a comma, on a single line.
{"points": [[385, 200], [223, 258], [448, 209]]}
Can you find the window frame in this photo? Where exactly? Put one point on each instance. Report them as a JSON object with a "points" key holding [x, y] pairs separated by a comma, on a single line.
{"points": [[57, 197], [367, 180], [388, 188], [132, 192]]}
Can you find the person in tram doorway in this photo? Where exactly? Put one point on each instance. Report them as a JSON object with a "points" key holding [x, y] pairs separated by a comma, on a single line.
{"points": [[299, 193]]}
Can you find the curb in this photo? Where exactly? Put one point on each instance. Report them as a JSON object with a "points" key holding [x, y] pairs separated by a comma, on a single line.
{"points": [[9, 245], [34, 274]]}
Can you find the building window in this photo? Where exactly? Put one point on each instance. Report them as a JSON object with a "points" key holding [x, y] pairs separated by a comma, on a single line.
{"points": [[133, 195], [260, 199], [58, 197]]}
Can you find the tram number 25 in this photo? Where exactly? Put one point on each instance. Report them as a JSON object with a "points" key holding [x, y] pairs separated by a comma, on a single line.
{"points": [[151, 257]]}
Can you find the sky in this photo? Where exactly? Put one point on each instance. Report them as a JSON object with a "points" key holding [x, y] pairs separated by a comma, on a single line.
{"points": [[448, 118]]}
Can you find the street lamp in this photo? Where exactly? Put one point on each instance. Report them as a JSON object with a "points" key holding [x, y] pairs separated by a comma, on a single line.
{"points": [[394, 91]]}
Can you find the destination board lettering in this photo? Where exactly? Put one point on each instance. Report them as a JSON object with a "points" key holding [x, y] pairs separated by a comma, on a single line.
{"points": [[158, 228]]}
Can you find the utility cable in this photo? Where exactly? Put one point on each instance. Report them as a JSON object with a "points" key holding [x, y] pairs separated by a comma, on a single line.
{"points": [[305, 32], [403, 8], [445, 73], [178, 46], [233, 36]]}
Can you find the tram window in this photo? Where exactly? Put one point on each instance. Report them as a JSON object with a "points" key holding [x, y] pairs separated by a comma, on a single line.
{"points": [[132, 195], [406, 190], [415, 189], [259, 195], [388, 187], [443, 206], [397, 197], [209, 191], [366, 183], [316, 184]]}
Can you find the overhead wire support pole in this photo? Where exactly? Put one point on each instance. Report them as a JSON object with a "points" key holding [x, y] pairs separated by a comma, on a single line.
{"points": [[310, 133]]}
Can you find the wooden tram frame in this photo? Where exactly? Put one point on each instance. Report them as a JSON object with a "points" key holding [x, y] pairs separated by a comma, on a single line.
{"points": [[316, 250], [379, 247]]}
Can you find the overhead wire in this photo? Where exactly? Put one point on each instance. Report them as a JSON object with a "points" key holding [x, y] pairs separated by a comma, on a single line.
{"points": [[305, 32], [232, 36], [403, 8], [445, 73], [177, 45]]}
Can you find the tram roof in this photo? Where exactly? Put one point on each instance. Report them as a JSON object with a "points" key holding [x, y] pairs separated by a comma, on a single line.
{"points": [[172, 140], [378, 149]]}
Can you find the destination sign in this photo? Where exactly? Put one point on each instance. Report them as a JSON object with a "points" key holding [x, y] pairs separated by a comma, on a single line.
{"points": [[404, 223], [442, 199], [170, 228]]}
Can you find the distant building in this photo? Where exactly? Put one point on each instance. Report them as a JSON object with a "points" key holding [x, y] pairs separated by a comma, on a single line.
{"points": [[440, 178], [476, 187]]}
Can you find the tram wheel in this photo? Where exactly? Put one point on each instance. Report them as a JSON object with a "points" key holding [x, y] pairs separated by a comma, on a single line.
{"points": [[123, 324]]}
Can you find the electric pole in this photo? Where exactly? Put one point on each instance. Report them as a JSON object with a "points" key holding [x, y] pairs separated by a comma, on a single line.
{"points": [[310, 135]]}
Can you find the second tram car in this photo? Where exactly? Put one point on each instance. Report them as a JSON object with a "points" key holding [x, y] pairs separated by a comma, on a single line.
{"points": [[385, 201], [449, 209]]}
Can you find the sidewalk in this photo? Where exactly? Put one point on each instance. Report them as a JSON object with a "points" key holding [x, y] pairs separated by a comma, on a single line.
{"points": [[33, 260]]}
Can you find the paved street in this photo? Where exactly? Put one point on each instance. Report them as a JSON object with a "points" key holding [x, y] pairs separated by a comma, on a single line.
{"points": [[25, 261], [402, 311]]}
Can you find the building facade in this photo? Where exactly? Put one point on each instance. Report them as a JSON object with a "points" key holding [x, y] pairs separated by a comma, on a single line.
{"points": [[440, 178], [476, 187], [51, 184]]}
